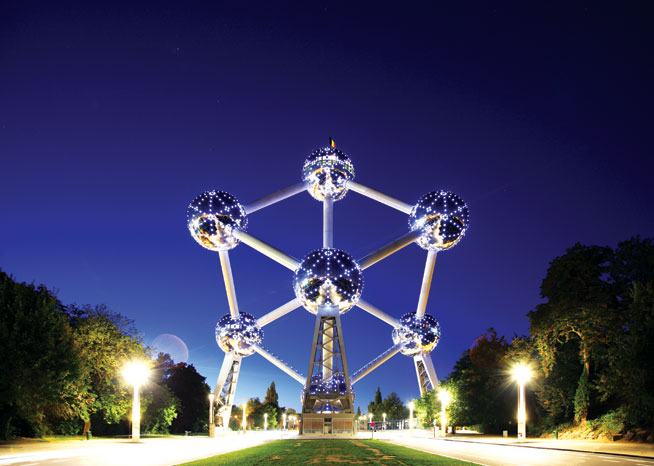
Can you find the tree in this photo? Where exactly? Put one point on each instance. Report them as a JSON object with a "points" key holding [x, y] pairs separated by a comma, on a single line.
{"points": [[38, 355], [105, 341], [581, 306], [190, 388], [271, 405]]}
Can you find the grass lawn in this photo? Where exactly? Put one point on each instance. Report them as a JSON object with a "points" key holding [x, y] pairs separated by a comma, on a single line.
{"points": [[319, 452]]}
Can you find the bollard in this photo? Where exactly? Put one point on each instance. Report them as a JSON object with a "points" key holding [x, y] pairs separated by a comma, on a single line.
{"points": [[556, 435], [88, 435]]}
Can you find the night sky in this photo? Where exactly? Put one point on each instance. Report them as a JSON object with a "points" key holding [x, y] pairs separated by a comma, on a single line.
{"points": [[113, 118]]}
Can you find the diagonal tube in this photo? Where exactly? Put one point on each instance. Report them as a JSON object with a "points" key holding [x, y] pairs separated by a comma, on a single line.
{"points": [[229, 283], [274, 198], [426, 283], [380, 197], [267, 250], [279, 363], [375, 363], [279, 312], [389, 249], [375, 311]]}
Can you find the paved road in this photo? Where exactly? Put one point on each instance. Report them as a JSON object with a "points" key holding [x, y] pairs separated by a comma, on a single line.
{"points": [[508, 455]]}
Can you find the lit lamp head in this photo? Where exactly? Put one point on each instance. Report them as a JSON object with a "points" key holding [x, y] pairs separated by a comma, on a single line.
{"points": [[326, 173], [521, 373], [328, 277], [445, 397], [212, 218], [411, 405], [136, 373], [443, 218]]}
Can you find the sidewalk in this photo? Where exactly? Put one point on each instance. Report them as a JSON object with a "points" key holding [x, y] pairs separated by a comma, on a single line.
{"points": [[590, 446]]}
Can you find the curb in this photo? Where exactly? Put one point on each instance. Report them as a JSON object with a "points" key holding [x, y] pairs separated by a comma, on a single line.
{"points": [[629, 455]]}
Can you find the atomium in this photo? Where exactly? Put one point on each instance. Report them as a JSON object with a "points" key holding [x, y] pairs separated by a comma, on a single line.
{"points": [[327, 282], [238, 335], [326, 173], [212, 218], [443, 218], [328, 277], [417, 334]]}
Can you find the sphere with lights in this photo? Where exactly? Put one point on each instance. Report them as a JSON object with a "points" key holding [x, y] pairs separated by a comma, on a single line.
{"points": [[418, 334], [328, 277], [212, 218], [238, 335], [443, 218], [326, 173], [335, 384]]}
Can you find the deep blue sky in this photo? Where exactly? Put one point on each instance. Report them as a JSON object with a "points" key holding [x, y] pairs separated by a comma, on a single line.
{"points": [[112, 119]]}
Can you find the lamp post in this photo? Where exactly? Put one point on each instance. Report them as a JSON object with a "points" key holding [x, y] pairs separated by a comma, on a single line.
{"points": [[522, 374], [212, 425], [384, 416], [284, 421], [265, 421], [445, 398], [136, 373], [372, 431], [245, 406], [411, 406]]}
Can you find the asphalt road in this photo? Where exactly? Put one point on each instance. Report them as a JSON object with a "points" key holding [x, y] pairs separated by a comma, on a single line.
{"points": [[508, 455]]}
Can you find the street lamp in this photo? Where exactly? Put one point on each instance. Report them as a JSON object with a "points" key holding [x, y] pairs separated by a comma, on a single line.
{"points": [[212, 425], [411, 406], [522, 374], [384, 416], [265, 421], [136, 373], [245, 406], [445, 398], [284, 422]]}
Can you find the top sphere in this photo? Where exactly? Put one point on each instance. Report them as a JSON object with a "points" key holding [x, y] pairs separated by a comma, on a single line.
{"points": [[443, 218], [328, 278], [212, 218], [326, 173]]}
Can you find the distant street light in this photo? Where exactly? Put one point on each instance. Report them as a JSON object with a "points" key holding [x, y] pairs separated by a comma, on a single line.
{"points": [[411, 406], [245, 406], [212, 425], [284, 423], [522, 374], [136, 373], [384, 416], [445, 398], [265, 421]]}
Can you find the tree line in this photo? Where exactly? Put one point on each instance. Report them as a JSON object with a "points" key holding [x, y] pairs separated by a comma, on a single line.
{"points": [[60, 371], [590, 348]]}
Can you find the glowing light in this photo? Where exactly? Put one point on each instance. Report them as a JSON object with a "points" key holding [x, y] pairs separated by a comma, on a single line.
{"points": [[419, 334], [443, 218], [238, 335], [136, 372], [212, 218], [326, 173], [330, 278], [445, 397], [521, 373]]}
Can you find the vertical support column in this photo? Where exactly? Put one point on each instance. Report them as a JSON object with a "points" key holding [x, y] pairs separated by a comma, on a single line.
{"points": [[426, 373], [328, 223], [229, 283], [328, 350], [226, 387]]}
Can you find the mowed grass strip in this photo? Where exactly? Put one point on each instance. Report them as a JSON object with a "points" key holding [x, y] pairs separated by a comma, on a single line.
{"points": [[319, 452]]}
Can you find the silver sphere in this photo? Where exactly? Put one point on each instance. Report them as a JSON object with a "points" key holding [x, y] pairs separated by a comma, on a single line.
{"points": [[443, 218], [333, 385], [326, 173], [238, 335], [328, 278], [212, 218], [417, 333]]}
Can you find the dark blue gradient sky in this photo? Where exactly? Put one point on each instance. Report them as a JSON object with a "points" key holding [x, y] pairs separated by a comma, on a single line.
{"points": [[113, 118]]}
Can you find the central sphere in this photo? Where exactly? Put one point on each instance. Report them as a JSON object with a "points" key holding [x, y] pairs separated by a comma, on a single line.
{"points": [[212, 218], [417, 333], [326, 173], [335, 384], [328, 278], [238, 335]]}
